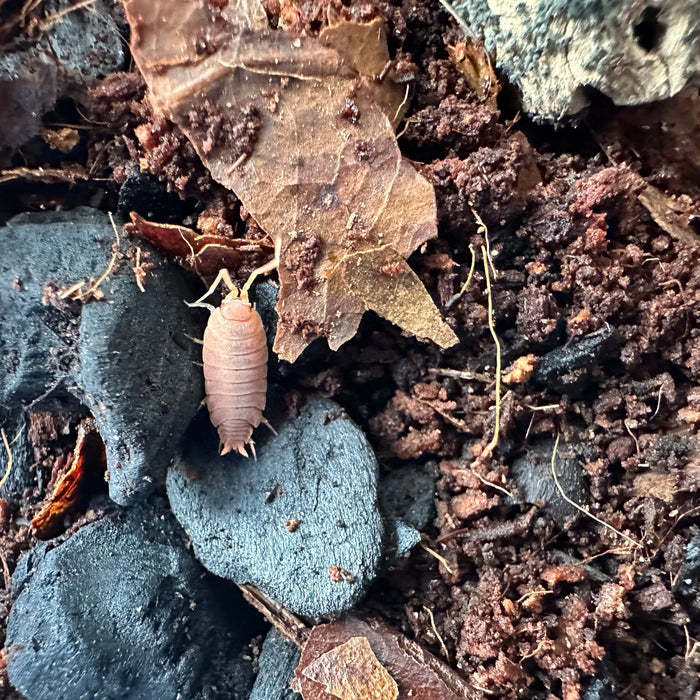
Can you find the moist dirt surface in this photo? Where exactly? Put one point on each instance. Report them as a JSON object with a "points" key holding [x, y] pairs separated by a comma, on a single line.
{"points": [[564, 558]]}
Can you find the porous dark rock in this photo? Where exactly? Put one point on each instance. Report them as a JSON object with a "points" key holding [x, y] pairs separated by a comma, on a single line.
{"points": [[276, 664], [408, 493], [14, 423], [122, 610], [301, 522], [75, 48], [570, 368], [633, 52], [148, 197], [533, 474], [137, 373], [265, 297], [126, 357], [406, 499]]}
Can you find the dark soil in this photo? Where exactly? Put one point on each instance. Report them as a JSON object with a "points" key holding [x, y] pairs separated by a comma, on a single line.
{"points": [[597, 307]]}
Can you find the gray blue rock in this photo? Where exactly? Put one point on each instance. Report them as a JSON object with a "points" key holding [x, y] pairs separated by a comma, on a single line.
{"points": [[121, 610], [634, 52], [301, 522], [72, 52], [406, 499], [278, 659], [408, 493], [37, 340], [15, 425], [137, 374], [126, 357]]}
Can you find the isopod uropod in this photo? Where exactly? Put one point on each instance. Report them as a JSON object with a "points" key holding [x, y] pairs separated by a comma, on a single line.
{"points": [[234, 357]]}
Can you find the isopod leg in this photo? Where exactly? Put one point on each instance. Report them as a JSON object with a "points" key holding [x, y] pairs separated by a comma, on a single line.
{"points": [[224, 277], [263, 269], [266, 422]]}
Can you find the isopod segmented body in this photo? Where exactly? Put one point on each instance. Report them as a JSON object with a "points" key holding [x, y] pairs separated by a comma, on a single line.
{"points": [[235, 371]]}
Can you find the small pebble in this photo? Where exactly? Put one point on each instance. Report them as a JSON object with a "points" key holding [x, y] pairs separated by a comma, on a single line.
{"points": [[688, 577], [568, 369], [603, 686], [402, 538], [148, 196]]}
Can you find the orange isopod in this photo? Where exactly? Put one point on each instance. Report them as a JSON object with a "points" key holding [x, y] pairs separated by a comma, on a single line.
{"points": [[235, 369]]}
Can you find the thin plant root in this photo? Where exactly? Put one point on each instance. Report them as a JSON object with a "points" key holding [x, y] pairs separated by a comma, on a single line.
{"points": [[437, 634], [465, 286], [581, 508], [439, 557], [9, 458], [497, 423]]}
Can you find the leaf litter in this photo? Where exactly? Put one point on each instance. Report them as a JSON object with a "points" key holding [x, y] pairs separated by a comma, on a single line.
{"points": [[367, 659], [301, 129]]}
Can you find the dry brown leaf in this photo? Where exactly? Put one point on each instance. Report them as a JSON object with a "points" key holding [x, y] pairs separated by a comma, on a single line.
{"points": [[672, 215], [384, 282], [474, 63], [205, 253], [351, 671], [89, 459], [302, 130], [415, 672]]}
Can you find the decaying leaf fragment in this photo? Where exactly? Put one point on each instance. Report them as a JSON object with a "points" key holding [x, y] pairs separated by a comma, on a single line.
{"points": [[386, 284], [670, 214], [351, 671], [334, 652], [89, 459], [302, 130], [474, 63], [205, 253]]}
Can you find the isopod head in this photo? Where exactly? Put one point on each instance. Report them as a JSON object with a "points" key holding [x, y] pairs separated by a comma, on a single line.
{"points": [[235, 308]]}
